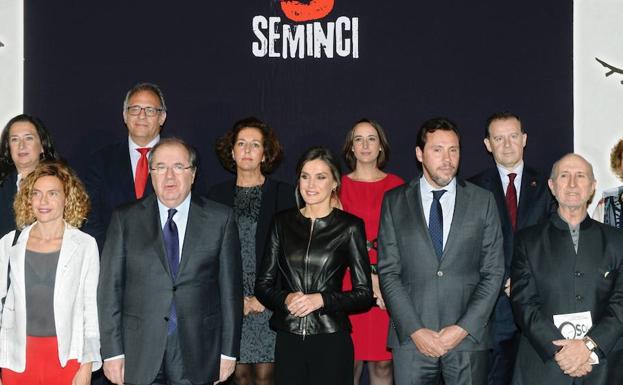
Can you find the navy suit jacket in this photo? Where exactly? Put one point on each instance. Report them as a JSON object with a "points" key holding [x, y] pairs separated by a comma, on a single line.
{"points": [[535, 203], [7, 194]]}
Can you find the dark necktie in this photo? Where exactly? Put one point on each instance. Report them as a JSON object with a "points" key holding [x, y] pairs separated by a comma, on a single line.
{"points": [[140, 177], [172, 247], [511, 200], [435, 223]]}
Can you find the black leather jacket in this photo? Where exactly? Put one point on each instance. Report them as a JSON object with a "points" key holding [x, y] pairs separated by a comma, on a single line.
{"points": [[312, 257]]}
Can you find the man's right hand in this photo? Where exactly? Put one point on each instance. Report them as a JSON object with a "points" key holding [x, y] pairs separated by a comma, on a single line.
{"points": [[428, 342], [114, 370]]}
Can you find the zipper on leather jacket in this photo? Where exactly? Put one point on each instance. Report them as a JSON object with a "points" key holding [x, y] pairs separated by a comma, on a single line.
{"points": [[305, 288]]}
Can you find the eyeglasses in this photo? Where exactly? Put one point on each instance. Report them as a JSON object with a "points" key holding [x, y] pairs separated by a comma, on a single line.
{"points": [[178, 169], [149, 111]]}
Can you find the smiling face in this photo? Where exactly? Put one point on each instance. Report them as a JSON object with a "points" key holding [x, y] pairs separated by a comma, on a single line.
{"points": [[572, 182], [48, 199], [366, 143], [440, 157], [142, 128], [506, 142], [248, 150], [316, 183], [25, 146], [170, 187]]}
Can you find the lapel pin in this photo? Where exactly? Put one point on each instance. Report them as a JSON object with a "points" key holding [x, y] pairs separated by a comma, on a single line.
{"points": [[606, 274], [533, 183]]}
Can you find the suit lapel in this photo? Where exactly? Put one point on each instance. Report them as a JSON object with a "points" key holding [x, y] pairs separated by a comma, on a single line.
{"points": [[529, 186], [68, 249], [194, 230], [461, 202], [416, 212], [153, 229]]}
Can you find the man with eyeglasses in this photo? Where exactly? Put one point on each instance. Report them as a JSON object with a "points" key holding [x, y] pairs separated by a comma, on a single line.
{"points": [[170, 293], [118, 173]]}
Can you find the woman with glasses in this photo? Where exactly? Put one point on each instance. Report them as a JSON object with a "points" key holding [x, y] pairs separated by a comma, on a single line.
{"points": [[366, 151], [24, 143], [250, 150], [49, 271], [301, 277]]}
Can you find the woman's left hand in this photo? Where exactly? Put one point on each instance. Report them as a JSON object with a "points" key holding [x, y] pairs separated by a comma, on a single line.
{"points": [[305, 304], [83, 376]]}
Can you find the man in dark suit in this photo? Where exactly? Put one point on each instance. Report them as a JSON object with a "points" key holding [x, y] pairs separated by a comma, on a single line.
{"points": [[566, 284], [118, 173], [441, 265], [170, 292], [523, 202]]}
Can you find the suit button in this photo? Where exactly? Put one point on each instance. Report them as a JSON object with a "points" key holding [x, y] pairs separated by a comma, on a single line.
{"points": [[579, 274], [174, 288], [578, 297], [166, 319], [440, 273]]}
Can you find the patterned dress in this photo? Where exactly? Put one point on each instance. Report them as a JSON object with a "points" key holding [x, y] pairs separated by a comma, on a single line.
{"points": [[258, 341]]}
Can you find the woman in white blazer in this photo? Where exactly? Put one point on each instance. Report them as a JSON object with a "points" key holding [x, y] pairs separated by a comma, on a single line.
{"points": [[49, 330]]}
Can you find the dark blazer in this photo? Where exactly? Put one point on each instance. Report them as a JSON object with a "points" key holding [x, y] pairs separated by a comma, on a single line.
{"points": [[136, 290], [7, 195], [422, 292], [550, 278], [110, 183], [535, 204], [276, 196]]}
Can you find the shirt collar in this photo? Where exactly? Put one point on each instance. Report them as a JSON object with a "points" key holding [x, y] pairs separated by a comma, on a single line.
{"points": [[182, 209], [133, 146], [428, 189], [504, 171]]}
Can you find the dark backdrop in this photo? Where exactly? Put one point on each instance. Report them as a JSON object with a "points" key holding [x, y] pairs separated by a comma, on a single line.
{"points": [[417, 59]]}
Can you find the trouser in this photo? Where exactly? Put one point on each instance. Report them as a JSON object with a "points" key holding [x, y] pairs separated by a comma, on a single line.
{"points": [[325, 359], [42, 365]]}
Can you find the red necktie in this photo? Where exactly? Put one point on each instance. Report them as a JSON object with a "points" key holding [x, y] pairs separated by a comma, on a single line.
{"points": [[140, 179], [511, 200]]}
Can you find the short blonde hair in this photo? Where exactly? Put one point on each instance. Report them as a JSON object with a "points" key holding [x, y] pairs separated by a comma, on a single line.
{"points": [[77, 203]]}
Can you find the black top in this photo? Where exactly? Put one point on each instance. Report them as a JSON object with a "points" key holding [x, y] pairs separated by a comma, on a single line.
{"points": [[8, 188], [312, 257]]}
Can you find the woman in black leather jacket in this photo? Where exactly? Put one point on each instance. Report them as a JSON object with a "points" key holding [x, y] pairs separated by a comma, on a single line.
{"points": [[300, 279]]}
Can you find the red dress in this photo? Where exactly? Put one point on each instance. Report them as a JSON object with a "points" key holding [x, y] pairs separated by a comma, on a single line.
{"points": [[364, 199]]}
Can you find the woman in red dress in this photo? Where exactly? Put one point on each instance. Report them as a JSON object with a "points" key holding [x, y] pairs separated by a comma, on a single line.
{"points": [[366, 151]]}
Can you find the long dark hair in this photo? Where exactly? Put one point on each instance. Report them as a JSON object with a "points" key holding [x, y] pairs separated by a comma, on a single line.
{"points": [[6, 162]]}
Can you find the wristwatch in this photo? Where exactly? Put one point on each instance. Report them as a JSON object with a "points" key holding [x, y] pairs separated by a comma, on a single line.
{"points": [[590, 344]]}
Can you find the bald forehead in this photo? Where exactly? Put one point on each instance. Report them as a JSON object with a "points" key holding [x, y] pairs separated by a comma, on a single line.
{"points": [[573, 161]]}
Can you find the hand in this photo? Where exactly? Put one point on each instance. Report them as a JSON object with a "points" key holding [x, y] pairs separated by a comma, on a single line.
{"points": [[227, 368], [582, 370], [451, 336], [573, 355], [428, 342], [376, 289], [305, 304], [252, 306], [507, 287], [83, 376], [114, 370]]}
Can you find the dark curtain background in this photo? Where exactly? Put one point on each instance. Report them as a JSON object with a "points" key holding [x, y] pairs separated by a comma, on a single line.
{"points": [[418, 59]]}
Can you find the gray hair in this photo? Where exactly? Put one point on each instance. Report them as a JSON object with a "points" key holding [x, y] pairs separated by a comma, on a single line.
{"points": [[151, 87], [192, 154]]}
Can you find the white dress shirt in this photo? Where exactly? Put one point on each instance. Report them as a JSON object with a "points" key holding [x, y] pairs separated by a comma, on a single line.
{"points": [[447, 203], [504, 178], [135, 155]]}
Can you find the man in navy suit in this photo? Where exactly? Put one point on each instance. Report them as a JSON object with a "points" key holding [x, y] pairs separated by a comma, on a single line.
{"points": [[523, 199], [118, 173]]}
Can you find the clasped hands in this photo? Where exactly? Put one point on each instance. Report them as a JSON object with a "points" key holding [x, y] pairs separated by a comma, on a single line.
{"points": [[300, 305], [436, 344], [573, 358]]}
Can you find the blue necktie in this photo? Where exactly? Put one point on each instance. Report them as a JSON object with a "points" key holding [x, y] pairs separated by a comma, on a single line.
{"points": [[435, 223], [172, 247]]}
